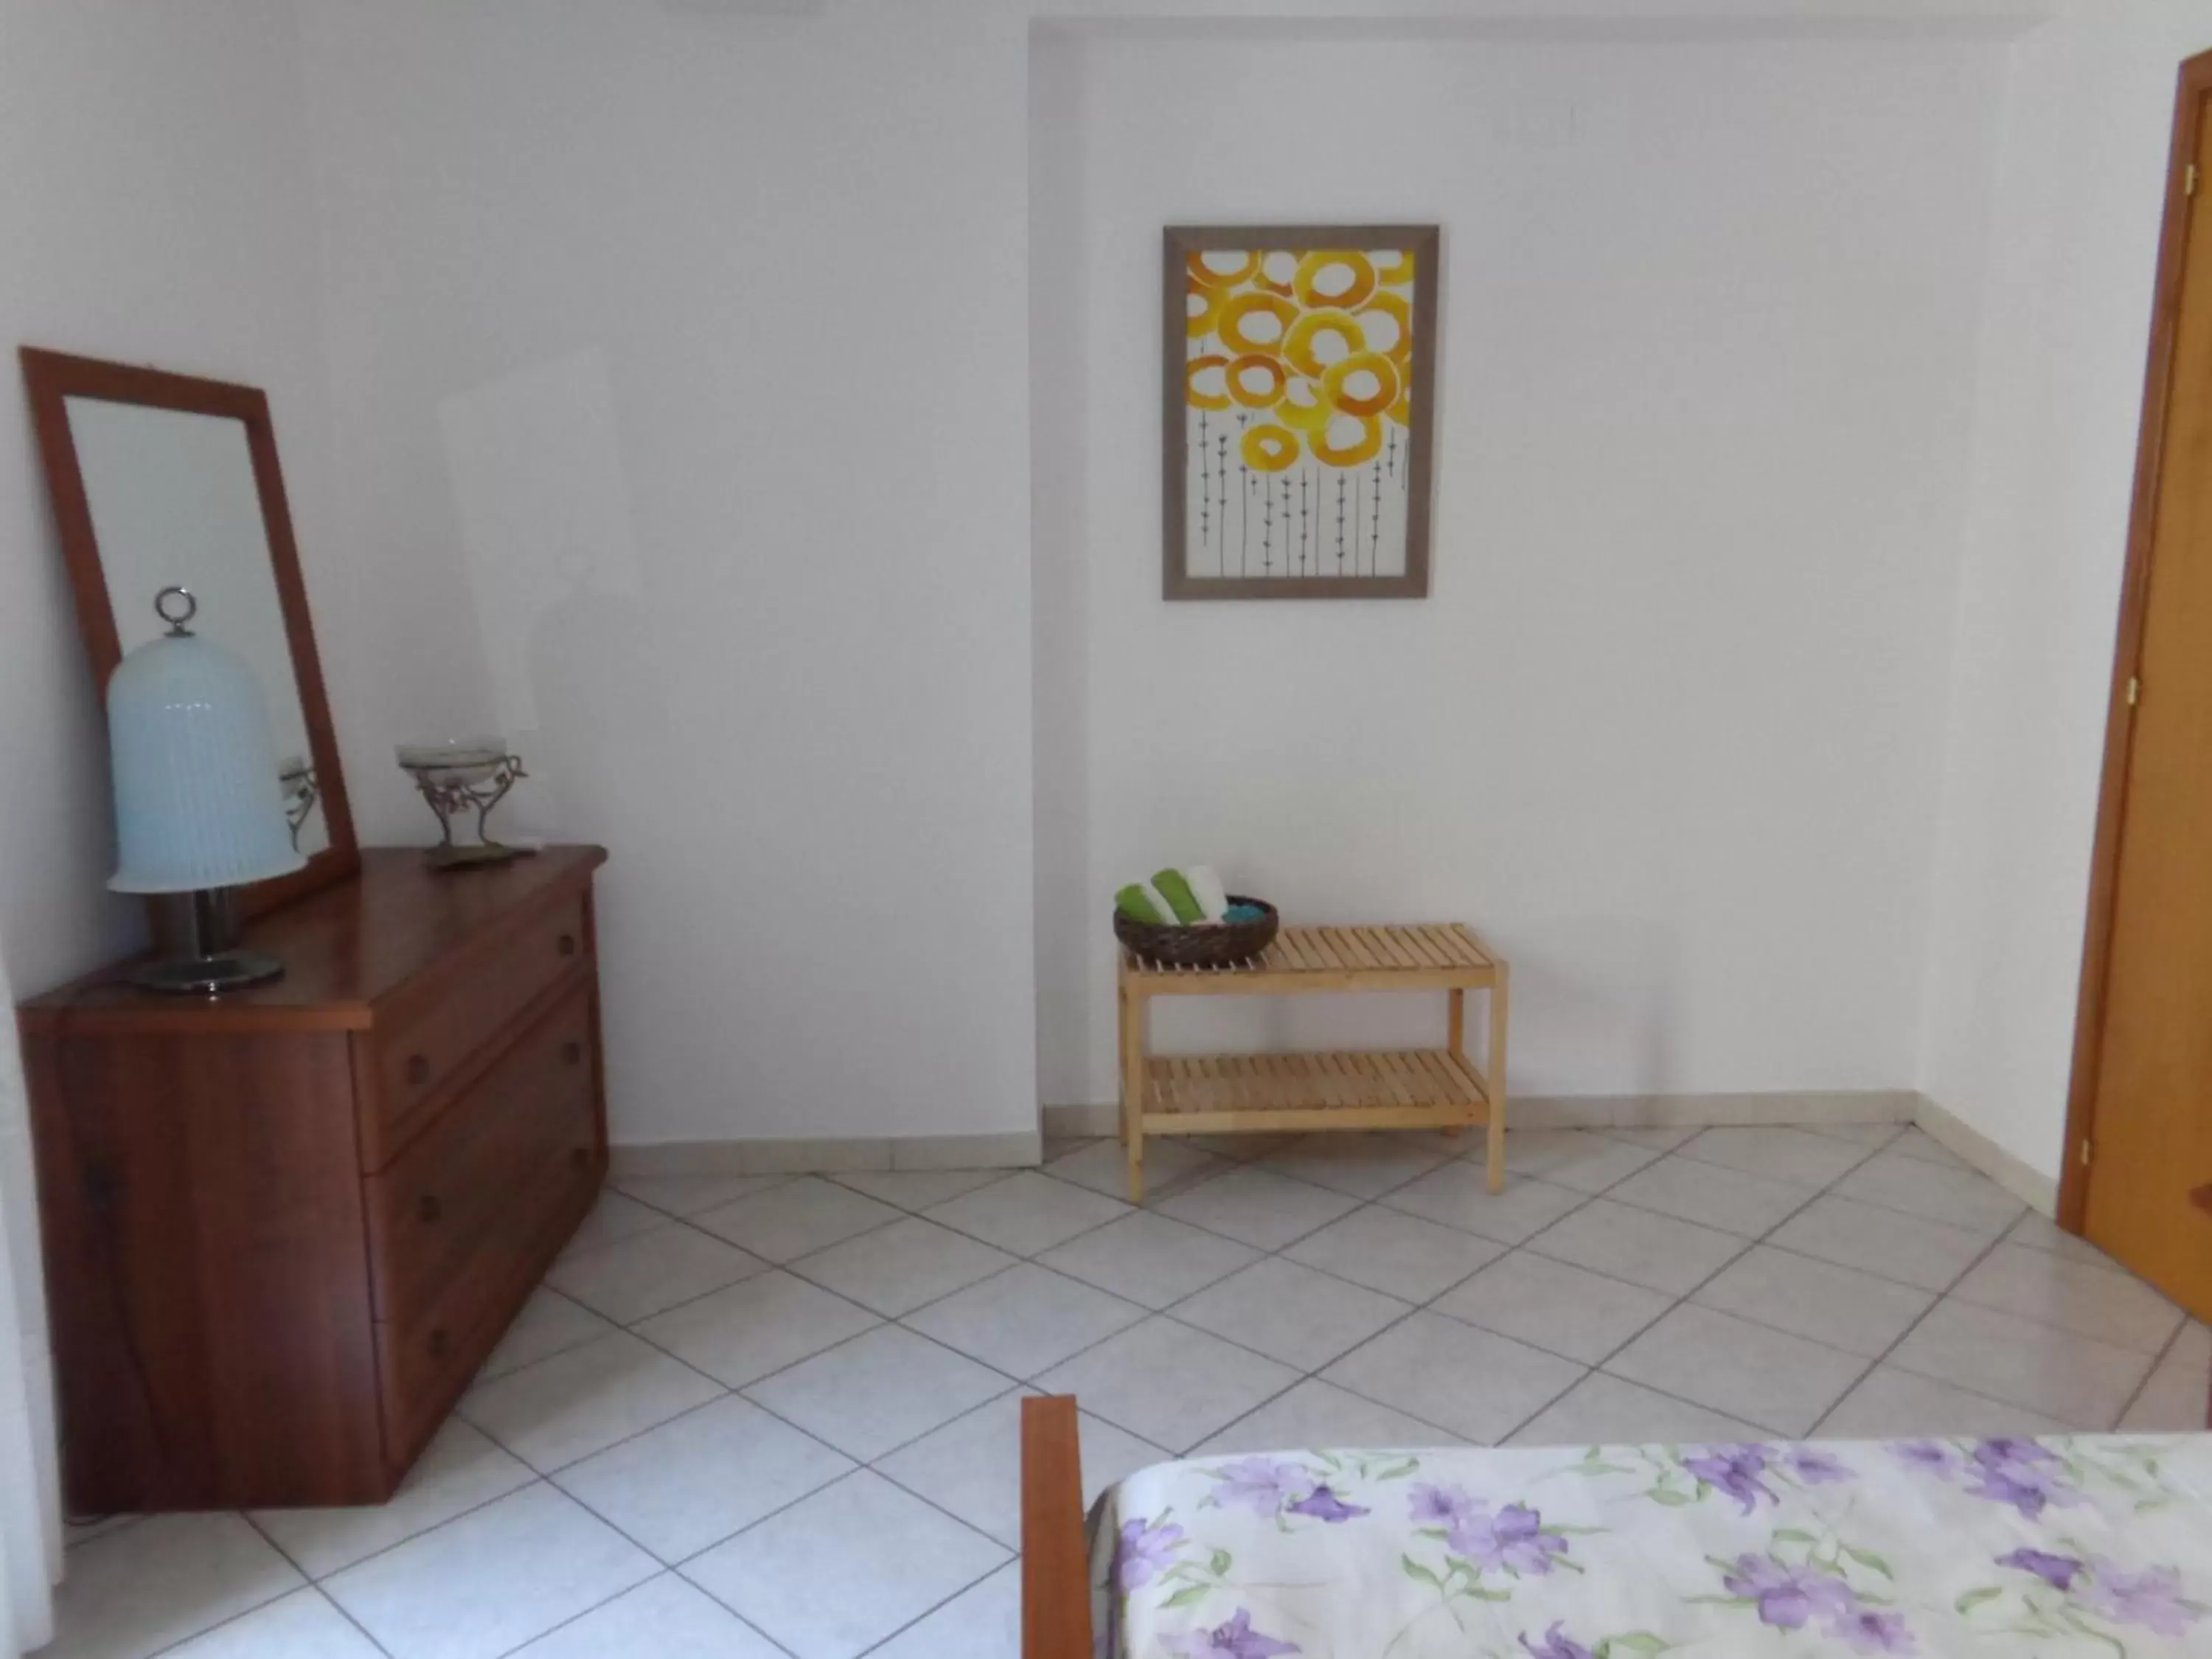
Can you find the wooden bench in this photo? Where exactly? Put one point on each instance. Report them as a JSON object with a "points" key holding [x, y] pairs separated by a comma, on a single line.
{"points": [[1408, 1089]]}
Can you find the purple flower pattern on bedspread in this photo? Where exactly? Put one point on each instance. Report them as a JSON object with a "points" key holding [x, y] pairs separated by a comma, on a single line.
{"points": [[1264, 1486], [2062, 1547], [1817, 1467], [1735, 1470], [1556, 1644], [1514, 1540], [1786, 1597], [1235, 1640], [1144, 1553], [1324, 1504], [1865, 1630], [2059, 1572], [2151, 1598], [2022, 1473]]}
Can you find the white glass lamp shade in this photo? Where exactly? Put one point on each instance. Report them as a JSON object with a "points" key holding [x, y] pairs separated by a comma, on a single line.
{"points": [[197, 802]]}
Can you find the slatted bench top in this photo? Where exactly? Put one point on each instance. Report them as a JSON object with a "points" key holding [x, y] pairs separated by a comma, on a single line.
{"points": [[1429, 955]]}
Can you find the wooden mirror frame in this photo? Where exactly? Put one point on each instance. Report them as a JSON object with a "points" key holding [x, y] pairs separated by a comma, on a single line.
{"points": [[52, 378]]}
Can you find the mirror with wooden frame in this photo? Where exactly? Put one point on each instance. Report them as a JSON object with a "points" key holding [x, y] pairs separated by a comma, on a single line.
{"points": [[161, 480]]}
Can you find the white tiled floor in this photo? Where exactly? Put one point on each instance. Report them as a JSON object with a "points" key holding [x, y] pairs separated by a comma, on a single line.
{"points": [[759, 1417]]}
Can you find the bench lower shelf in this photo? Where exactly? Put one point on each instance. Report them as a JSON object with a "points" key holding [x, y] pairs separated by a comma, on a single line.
{"points": [[1398, 1089]]}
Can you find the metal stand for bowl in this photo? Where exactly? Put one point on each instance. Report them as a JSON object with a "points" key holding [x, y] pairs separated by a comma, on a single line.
{"points": [[452, 789]]}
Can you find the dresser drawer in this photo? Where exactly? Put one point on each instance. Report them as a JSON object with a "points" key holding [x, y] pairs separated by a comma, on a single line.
{"points": [[455, 1190], [427, 1361], [462, 1226], [442, 1028]]}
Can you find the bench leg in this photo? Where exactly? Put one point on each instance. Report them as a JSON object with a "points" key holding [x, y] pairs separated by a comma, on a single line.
{"points": [[1121, 1060], [1132, 1092], [1495, 1076], [1455, 1037]]}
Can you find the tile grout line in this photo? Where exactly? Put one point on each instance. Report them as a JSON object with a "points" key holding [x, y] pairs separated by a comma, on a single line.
{"points": [[2157, 1364], [1883, 1358], [1583, 1199], [1679, 1302], [787, 1266], [548, 1478], [665, 1572], [1423, 1307], [315, 1584], [1936, 1301], [1687, 1299], [1938, 1297], [929, 1612], [228, 1619], [1872, 1154], [1589, 1370], [1020, 1386], [1263, 1256], [860, 1466]]}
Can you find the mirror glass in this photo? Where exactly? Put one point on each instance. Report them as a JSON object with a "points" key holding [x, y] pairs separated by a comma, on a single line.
{"points": [[173, 504]]}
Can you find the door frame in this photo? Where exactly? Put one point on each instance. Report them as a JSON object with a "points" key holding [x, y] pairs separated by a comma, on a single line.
{"points": [[2189, 115]]}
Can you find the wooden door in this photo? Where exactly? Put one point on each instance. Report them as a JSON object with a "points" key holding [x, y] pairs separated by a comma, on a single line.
{"points": [[2139, 1176]]}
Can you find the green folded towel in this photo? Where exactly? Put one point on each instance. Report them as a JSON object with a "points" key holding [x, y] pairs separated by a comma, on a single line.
{"points": [[1139, 903], [1170, 885]]}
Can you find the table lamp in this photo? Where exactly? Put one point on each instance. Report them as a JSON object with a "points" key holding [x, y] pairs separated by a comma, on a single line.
{"points": [[198, 808]]}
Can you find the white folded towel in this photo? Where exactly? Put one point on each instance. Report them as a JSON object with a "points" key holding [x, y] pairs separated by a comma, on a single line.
{"points": [[1206, 887]]}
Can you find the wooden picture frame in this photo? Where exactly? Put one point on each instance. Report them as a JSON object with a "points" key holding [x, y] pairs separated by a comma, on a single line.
{"points": [[52, 378], [1313, 564]]}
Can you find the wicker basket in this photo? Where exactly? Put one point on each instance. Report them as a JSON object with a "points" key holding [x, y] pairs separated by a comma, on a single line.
{"points": [[1226, 945]]}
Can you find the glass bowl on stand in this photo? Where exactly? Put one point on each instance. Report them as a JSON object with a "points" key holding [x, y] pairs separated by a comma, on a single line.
{"points": [[458, 776]]}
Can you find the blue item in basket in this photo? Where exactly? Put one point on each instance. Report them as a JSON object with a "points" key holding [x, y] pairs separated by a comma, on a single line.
{"points": [[1243, 913]]}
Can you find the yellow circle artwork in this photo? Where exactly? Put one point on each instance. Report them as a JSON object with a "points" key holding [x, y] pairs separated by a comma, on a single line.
{"points": [[1336, 337], [1298, 382]]}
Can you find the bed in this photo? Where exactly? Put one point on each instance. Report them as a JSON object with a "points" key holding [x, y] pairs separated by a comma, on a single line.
{"points": [[2067, 1544]]}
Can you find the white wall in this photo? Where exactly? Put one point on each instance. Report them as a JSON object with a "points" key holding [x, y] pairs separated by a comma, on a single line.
{"points": [[744, 294], [2088, 112], [1670, 725], [155, 206], [537, 257]]}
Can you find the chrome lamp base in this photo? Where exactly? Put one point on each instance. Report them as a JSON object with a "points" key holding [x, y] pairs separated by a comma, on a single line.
{"points": [[227, 970], [210, 961]]}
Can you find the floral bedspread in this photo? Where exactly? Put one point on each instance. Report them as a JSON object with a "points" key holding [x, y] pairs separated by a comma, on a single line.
{"points": [[2088, 1545]]}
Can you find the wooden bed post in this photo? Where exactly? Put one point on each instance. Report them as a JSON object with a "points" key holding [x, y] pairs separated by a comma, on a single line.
{"points": [[1055, 1567]]}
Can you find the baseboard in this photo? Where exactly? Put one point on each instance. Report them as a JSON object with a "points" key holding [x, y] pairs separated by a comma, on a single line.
{"points": [[1708, 1111], [1623, 1111], [1073, 1122], [1019, 1149], [1025, 1148], [2022, 1180]]}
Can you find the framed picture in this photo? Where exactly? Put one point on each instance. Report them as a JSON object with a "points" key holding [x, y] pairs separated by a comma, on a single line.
{"points": [[1299, 377]]}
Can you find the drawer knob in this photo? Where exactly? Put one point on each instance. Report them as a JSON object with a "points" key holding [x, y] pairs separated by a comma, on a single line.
{"points": [[572, 1052], [429, 1209], [438, 1343], [418, 1068], [580, 1158], [568, 944]]}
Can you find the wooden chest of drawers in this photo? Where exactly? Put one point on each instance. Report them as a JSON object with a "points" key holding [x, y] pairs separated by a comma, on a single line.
{"points": [[283, 1228]]}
